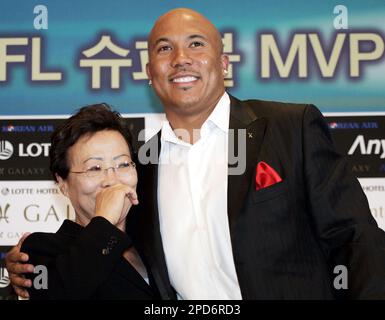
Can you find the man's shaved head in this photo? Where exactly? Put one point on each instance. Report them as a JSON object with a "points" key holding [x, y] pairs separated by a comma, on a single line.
{"points": [[184, 15], [186, 65]]}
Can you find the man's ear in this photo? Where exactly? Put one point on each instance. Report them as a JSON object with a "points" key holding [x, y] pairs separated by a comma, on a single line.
{"points": [[225, 64], [62, 185], [148, 71]]}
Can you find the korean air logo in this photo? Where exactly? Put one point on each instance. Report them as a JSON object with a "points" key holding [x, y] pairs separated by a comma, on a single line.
{"points": [[333, 125], [6, 150], [4, 279], [9, 128]]}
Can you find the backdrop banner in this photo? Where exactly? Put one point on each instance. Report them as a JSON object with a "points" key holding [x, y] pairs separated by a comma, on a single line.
{"points": [[57, 56]]}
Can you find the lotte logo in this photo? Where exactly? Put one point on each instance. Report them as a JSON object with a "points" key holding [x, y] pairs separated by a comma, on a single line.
{"points": [[6, 150], [33, 149]]}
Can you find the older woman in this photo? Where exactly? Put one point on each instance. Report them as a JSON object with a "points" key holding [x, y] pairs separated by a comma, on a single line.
{"points": [[93, 257]]}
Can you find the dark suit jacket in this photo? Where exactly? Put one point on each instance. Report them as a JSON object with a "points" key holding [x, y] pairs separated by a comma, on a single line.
{"points": [[86, 263], [287, 238]]}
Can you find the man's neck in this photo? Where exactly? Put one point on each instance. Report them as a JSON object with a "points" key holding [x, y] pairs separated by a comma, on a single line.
{"points": [[187, 126]]}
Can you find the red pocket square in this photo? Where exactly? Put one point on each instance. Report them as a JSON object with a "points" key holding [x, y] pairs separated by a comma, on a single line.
{"points": [[265, 176]]}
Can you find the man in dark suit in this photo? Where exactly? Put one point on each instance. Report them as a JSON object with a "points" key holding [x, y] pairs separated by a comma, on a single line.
{"points": [[288, 218], [273, 225], [287, 239]]}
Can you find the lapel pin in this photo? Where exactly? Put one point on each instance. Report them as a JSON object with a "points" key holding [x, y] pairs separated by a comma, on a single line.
{"points": [[250, 135]]}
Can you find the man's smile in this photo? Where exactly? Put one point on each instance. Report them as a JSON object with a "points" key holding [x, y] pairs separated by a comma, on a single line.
{"points": [[183, 78]]}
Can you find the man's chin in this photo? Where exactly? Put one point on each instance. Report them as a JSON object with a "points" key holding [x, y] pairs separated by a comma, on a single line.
{"points": [[186, 101], [187, 107]]}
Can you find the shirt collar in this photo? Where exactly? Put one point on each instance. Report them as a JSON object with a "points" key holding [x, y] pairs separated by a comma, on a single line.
{"points": [[221, 114], [168, 135], [220, 117]]}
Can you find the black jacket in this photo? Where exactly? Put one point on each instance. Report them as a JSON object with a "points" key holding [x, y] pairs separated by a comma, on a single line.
{"points": [[86, 263]]}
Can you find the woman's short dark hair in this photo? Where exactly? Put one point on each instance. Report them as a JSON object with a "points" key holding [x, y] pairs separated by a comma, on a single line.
{"points": [[89, 119]]}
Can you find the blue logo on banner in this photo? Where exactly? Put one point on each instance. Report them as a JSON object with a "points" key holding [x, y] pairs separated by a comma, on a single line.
{"points": [[353, 125]]}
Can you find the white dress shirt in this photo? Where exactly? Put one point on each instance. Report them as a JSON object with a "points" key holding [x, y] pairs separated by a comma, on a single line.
{"points": [[192, 199]]}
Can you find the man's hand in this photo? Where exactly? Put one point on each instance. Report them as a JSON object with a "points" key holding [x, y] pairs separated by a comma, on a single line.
{"points": [[14, 263]]}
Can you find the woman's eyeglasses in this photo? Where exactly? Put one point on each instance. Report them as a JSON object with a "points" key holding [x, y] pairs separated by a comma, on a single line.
{"points": [[98, 171]]}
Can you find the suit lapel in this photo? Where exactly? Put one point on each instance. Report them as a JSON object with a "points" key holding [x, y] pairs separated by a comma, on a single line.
{"points": [[149, 230], [242, 117]]}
